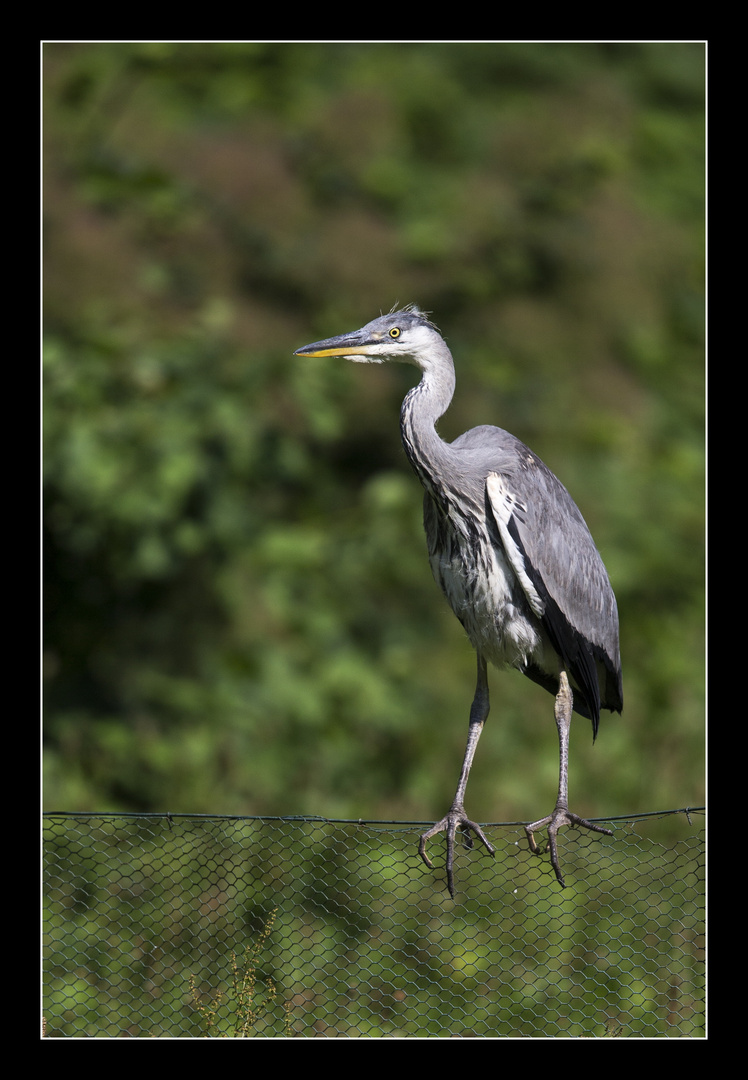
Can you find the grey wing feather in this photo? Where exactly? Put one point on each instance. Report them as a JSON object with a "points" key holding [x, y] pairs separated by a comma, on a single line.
{"points": [[554, 558]]}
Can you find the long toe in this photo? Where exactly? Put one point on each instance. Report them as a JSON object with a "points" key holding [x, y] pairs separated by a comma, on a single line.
{"points": [[449, 824], [555, 821]]}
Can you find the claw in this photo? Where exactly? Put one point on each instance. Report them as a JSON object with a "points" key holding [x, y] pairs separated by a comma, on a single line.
{"points": [[456, 818], [555, 821]]}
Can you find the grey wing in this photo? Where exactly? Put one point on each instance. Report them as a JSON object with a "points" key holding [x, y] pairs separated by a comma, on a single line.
{"points": [[554, 558]]}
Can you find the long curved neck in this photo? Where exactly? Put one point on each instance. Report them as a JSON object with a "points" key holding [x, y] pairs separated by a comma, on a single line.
{"points": [[422, 407]]}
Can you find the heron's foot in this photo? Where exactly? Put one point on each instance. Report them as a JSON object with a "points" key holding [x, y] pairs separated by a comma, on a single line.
{"points": [[449, 824], [560, 817]]}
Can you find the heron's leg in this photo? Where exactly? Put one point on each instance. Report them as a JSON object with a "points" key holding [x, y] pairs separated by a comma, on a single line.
{"points": [[561, 815], [456, 817]]}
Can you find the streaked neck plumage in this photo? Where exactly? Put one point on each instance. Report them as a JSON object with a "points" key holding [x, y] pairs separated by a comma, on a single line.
{"points": [[423, 405]]}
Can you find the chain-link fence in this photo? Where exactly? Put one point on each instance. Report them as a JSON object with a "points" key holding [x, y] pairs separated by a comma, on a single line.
{"points": [[185, 925]]}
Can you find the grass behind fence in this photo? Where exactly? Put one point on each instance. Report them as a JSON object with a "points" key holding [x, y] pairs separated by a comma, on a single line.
{"points": [[341, 931]]}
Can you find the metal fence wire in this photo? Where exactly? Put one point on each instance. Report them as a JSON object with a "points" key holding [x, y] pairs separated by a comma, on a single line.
{"points": [[205, 926]]}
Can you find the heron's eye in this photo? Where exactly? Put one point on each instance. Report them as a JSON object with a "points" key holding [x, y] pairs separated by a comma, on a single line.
{"points": [[395, 331]]}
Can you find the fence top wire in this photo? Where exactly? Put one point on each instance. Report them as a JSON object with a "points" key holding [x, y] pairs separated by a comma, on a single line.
{"points": [[167, 814]]}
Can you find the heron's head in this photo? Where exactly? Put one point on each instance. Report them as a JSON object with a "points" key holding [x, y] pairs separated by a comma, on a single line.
{"points": [[405, 335]]}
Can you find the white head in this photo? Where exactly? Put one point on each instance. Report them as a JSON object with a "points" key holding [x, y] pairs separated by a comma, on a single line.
{"points": [[405, 335]]}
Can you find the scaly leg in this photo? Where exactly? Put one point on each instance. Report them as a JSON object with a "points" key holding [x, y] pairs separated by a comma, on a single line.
{"points": [[561, 815], [456, 817]]}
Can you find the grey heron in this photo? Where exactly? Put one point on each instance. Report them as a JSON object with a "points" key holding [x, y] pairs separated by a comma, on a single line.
{"points": [[513, 556]]}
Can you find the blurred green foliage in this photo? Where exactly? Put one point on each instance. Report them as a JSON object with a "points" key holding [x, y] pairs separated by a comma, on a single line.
{"points": [[239, 611], [148, 923]]}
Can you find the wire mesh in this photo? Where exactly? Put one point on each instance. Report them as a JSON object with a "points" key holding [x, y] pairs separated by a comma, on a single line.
{"points": [[195, 926]]}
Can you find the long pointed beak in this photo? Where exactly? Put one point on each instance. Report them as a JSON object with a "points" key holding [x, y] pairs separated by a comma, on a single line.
{"points": [[354, 344]]}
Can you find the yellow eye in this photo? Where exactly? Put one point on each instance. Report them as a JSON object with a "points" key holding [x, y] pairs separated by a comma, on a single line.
{"points": [[395, 331]]}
